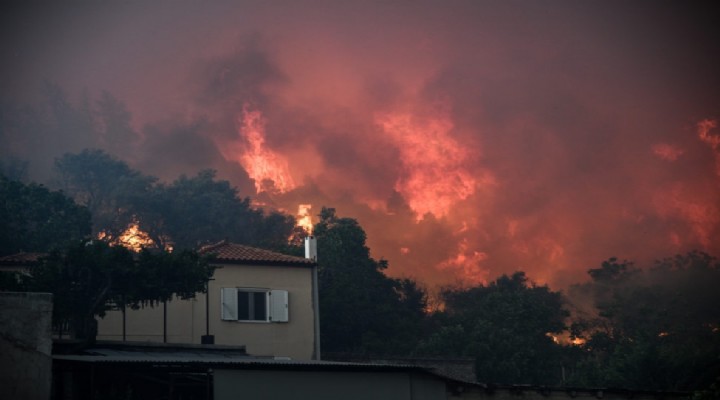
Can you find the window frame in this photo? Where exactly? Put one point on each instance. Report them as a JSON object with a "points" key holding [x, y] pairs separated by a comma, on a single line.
{"points": [[276, 305], [247, 291]]}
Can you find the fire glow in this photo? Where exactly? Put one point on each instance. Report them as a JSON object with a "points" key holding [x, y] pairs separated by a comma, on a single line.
{"points": [[466, 150], [267, 168], [304, 219], [132, 238], [433, 177]]}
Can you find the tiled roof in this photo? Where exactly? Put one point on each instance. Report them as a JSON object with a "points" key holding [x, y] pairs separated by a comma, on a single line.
{"points": [[21, 258], [240, 254]]}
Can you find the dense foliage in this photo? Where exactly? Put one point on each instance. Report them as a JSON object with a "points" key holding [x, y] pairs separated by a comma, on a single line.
{"points": [[89, 278], [506, 326], [184, 214], [656, 328], [362, 310], [35, 219]]}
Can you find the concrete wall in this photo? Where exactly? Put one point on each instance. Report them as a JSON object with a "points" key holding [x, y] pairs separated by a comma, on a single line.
{"points": [[25, 345], [186, 318], [320, 385]]}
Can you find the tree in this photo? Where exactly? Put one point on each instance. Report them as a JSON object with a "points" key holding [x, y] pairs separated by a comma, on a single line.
{"points": [[35, 219], [660, 325], [109, 188], [91, 277], [363, 311], [506, 326], [201, 209]]}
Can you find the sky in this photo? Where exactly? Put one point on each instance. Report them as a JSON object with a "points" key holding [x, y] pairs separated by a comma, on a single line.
{"points": [[468, 138]]}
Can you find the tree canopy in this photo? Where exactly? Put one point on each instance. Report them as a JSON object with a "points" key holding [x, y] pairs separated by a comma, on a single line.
{"points": [[183, 214], [108, 187], [89, 278], [35, 219], [506, 326], [656, 328], [363, 311]]}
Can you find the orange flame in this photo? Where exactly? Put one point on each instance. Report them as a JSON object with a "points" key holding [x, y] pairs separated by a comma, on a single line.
{"points": [[565, 339], [267, 168], [433, 177], [133, 238], [304, 219]]}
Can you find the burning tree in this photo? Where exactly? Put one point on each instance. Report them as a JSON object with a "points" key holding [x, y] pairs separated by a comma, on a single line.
{"points": [[183, 214]]}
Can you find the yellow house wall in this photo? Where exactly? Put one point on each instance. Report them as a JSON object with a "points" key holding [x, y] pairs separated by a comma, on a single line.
{"points": [[186, 318]]}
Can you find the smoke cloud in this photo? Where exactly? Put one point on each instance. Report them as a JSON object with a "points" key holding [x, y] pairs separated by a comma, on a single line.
{"points": [[469, 139]]}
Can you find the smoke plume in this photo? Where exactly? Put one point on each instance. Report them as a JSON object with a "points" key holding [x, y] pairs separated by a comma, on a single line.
{"points": [[469, 139]]}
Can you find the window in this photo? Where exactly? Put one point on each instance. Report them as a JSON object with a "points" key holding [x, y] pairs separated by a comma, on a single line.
{"points": [[254, 305]]}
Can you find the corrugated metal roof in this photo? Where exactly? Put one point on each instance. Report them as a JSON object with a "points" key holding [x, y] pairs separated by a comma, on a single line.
{"points": [[240, 254], [191, 357], [218, 357]]}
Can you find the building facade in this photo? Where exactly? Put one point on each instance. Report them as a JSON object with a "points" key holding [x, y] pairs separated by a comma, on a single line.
{"points": [[259, 299]]}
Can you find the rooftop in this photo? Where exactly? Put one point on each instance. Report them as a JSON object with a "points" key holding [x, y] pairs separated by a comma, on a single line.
{"points": [[233, 253]]}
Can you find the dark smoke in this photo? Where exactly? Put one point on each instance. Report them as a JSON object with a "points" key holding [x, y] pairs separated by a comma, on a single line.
{"points": [[580, 120]]}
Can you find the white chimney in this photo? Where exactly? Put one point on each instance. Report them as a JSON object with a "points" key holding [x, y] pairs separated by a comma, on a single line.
{"points": [[311, 248]]}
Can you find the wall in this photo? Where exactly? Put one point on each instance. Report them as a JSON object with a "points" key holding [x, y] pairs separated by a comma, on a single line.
{"points": [[323, 385], [25, 345], [186, 318]]}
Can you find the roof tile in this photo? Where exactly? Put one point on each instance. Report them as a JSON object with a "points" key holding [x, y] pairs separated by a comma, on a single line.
{"points": [[241, 254]]}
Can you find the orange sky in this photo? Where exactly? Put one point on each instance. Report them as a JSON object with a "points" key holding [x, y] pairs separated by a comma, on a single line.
{"points": [[469, 138]]}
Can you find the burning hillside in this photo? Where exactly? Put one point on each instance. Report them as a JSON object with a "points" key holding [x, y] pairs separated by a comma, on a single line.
{"points": [[469, 140]]}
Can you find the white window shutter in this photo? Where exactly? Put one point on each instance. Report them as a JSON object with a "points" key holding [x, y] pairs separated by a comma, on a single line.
{"points": [[278, 305], [228, 304]]}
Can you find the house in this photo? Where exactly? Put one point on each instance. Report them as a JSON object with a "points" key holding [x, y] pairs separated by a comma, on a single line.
{"points": [[263, 300]]}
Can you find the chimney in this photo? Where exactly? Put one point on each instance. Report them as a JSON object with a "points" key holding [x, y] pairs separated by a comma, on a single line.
{"points": [[311, 248]]}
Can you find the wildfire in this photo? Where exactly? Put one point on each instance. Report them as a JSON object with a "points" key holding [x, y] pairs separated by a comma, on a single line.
{"points": [[566, 340], [433, 177], [267, 168], [132, 238], [701, 215], [304, 219], [468, 263]]}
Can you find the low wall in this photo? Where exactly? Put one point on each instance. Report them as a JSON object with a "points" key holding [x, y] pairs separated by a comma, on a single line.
{"points": [[25, 345]]}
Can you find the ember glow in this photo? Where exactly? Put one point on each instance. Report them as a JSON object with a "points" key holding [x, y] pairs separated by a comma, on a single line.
{"points": [[469, 139]]}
